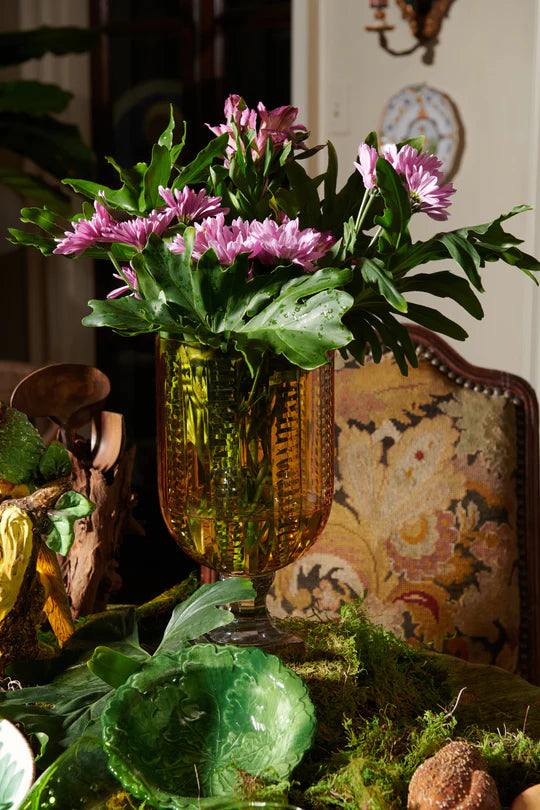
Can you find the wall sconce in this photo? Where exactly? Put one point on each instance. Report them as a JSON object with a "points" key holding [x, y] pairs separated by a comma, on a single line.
{"points": [[424, 17]]}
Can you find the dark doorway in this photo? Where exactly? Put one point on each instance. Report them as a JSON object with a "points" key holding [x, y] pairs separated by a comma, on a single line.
{"points": [[191, 53]]}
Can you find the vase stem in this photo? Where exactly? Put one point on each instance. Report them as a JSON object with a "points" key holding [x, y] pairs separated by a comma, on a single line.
{"points": [[252, 625]]}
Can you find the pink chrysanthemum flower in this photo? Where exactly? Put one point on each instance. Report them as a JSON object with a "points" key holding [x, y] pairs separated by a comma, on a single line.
{"points": [[367, 159], [421, 174], [275, 243], [409, 156], [227, 241], [130, 288], [423, 177], [135, 232], [87, 233], [189, 205], [427, 195], [277, 124], [237, 112]]}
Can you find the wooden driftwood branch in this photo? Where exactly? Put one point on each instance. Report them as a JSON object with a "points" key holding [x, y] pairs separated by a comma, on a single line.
{"points": [[90, 569]]}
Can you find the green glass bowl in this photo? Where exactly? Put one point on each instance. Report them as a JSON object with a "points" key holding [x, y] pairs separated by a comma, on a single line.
{"points": [[182, 729]]}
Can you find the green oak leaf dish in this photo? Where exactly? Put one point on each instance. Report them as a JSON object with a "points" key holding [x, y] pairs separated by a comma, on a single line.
{"points": [[180, 730]]}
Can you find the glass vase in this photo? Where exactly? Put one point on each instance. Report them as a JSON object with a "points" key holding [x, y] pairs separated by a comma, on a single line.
{"points": [[245, 466]]}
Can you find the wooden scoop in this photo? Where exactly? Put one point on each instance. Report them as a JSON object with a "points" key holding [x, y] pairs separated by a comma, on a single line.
{"points": [[68, 393]]}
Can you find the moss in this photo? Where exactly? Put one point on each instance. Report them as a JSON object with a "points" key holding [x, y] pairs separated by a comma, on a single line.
{"points": [[384, 707]]}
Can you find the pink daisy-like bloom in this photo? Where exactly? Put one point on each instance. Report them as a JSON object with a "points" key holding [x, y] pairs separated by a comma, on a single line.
{"points": [[421, 174], [227, 241], [188, 205], [427, 195], [87, 233], [273, 242], [367, 160], [237, 112], [409, 156], [135, 232], [131, 277], [277, 124]]}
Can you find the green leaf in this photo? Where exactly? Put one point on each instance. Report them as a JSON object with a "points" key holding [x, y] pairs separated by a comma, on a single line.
{"points": [[49, 221], [80, 777], [417, 143], [345, 205], [70, 707], [195, 172], [304, 321], [35, 188], [375, 272], [307, 196], [42, 243], [68, 508], [54, 146], [19, 46], [167, 136], [330, 178], [111, 666], [201, 612], [445, 284], [436, 321], [463, 252], [526, 263], [32, 96], [55, 462], [397, 207], [372, 140], [125, 315], [158, 174]]}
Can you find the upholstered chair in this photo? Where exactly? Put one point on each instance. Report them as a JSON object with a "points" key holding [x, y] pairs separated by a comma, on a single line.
{"points": [[435, 515]]}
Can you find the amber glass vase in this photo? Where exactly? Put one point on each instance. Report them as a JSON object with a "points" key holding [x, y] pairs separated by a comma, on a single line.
{"points": [[245, 466]]}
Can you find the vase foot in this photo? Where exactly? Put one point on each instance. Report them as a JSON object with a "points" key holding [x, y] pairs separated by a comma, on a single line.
{"points": [[256, 632], [252, 625]]}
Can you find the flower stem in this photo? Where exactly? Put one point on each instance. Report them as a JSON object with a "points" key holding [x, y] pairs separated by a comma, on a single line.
{"points": [[121, 272], [362, 211]]}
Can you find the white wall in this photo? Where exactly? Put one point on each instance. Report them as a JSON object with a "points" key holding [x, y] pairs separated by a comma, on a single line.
{"points": [[487, 62]]}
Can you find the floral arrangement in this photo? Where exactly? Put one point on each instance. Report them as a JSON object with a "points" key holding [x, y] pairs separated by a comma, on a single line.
{"points": [[242, 249]]}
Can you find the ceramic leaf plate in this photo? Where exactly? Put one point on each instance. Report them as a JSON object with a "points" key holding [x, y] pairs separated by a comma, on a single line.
{"points": [[185, 724], [16, 766]]}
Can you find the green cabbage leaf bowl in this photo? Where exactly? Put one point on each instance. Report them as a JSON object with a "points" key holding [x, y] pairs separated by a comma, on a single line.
{"points": [[184, 728]]}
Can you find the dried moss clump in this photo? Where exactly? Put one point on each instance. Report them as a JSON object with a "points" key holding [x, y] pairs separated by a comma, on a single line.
{"points": [[384, 707]]}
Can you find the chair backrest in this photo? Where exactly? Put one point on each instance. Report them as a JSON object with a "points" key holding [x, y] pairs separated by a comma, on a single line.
{"points": [[436, 506]]}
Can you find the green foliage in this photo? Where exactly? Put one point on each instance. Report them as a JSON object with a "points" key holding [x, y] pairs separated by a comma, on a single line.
{"points": [[352, 301], [55, 462], [382, 708], [20, 46], [59, 534], [28, 125], [78, 777], [21, 446], [274, 312], [69, 707]]}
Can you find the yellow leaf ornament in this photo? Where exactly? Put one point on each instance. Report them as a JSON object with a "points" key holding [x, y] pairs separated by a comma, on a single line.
{"points": [[16, 539]]}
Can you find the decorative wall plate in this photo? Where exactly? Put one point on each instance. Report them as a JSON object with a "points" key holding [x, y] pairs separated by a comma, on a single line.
{"points": [[421, 110]]}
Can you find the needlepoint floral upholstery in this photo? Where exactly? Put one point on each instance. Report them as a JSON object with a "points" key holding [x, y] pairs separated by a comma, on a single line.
{"points": [[427, 519]]}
